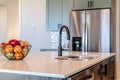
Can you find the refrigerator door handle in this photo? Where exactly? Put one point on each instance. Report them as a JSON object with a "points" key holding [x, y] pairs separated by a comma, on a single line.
{"points": [[87, 37], [70, 14], [84, 38]]}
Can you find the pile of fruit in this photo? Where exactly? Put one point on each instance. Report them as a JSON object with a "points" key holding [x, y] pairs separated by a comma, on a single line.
{"points": [[15, 49]]}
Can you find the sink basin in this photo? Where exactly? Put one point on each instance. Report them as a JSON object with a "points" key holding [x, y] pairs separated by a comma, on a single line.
{"points": [[71, 57]]}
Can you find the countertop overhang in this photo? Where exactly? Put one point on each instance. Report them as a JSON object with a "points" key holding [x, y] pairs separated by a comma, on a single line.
{"points": [[44, 64]]}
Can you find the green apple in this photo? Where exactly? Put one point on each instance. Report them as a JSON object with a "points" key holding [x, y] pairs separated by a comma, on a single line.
{"points": [[10, 55]]}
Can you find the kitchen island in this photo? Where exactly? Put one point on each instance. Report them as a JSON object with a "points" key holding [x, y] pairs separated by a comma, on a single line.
{"points": [[44, 65]]}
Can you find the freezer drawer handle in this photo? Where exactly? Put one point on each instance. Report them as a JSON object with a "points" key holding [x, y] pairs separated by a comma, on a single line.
{"points": [[88, 76]]}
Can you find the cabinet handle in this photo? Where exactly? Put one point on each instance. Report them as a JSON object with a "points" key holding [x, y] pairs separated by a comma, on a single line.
{"points": [[88, 76], [104, 69], [91, 4], [112, 61], [88, 3], [59, 26]]}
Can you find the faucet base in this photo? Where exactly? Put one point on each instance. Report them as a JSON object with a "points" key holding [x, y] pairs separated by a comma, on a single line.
{"points": [[59, 51]]}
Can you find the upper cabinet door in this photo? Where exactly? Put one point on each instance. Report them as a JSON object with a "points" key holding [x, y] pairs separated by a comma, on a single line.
{"points": [[58, 13], [67, 7], [102, 3], [88, 4], [53, 12], [83, 4]]}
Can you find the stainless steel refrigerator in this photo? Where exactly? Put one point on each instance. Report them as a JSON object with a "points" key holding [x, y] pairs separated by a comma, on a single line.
{"points": [[90, 30]]}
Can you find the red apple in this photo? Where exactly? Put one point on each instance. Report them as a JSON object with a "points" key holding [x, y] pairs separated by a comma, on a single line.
{"points": [[22, 44], [3, 44], [13, 42]]}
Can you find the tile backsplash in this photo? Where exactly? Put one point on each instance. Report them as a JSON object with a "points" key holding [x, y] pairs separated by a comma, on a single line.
{"points": [[55, 40]]}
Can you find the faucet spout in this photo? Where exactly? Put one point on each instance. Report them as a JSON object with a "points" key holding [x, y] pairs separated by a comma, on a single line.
{"points": [[60, 40]]}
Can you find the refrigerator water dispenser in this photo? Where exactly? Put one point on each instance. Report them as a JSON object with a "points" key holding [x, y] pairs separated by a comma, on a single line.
{"points": [[76, 43]]}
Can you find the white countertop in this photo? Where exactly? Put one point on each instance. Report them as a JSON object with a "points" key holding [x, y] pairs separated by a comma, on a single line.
{"points": [[44, 64]]}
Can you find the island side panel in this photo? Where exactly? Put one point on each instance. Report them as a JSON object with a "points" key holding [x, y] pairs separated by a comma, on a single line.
{"points": [[41, 78], [7, 76]]}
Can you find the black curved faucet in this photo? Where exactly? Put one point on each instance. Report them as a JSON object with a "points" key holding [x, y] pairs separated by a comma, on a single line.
{"points": [[60, 40]]}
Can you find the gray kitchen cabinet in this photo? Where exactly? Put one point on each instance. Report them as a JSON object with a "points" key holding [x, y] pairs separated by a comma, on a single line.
{"points": [[104, 70], [82, 4], [53, 14], [112, 68], [97, 71], [67, 7], [88, 4], [101, 3], [58, 13], [108, 69]]}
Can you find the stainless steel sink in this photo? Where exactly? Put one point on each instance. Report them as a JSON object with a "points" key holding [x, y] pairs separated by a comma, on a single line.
{"points": [[71, 57]]}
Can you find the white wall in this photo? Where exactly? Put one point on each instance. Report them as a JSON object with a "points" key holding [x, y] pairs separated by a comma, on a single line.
{"points": [[3, 23], [12, 19], [33, 24]]}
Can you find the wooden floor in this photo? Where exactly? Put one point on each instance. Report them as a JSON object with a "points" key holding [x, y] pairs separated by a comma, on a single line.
{"points": [[118, 70]]}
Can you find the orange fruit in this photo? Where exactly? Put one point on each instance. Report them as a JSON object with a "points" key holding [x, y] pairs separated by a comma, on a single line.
{"points": [[9, 49], [18, 56], [17, 49]]}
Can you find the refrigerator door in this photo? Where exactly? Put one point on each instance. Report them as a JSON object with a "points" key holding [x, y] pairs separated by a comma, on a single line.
{"points": [[98, 30], [77, 29]]}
